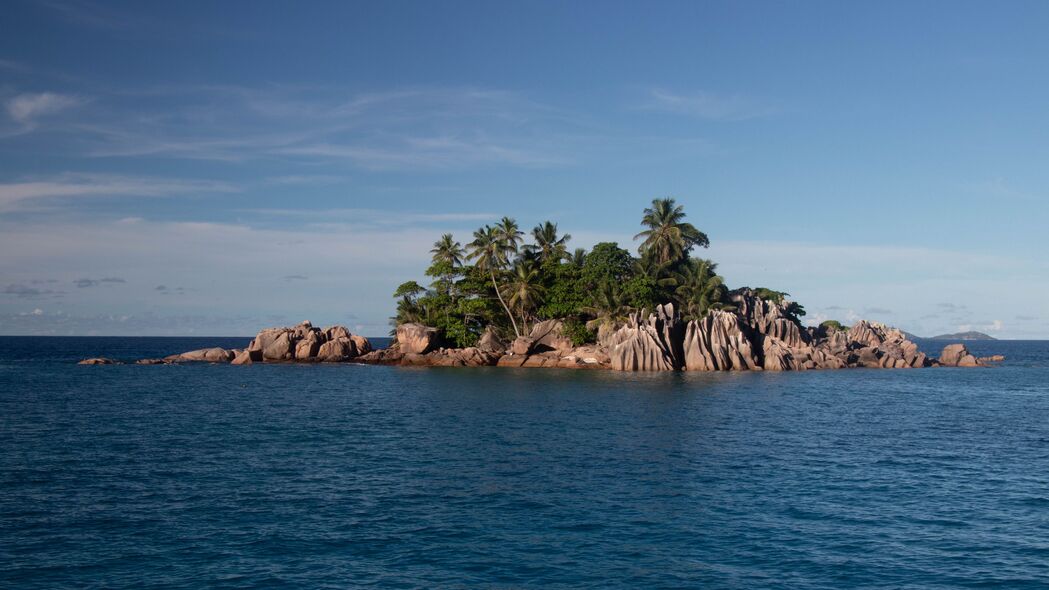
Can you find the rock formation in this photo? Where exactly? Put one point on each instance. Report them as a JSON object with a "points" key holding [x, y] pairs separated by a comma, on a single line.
{"points": [[416, 338], [957, 355], [755, 334], [650, 342]]}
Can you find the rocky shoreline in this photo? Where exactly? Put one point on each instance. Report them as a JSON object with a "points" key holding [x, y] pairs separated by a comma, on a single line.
{"points": [[757, 335]]}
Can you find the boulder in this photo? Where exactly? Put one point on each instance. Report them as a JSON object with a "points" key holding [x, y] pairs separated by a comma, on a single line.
{"points": [[336, 332], [362, 344], [206, 355], [416, 338], [152, 362], [512, 360], [308, 347], [99, 361], [265, 338], [281, 348], [549, 335], [491, 342], [995, 358], [337, 350], [247, 357], [953, 355], [521, 345]]}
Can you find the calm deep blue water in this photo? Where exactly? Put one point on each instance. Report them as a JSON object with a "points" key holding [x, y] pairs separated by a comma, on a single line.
{"points": [[288, 476]]}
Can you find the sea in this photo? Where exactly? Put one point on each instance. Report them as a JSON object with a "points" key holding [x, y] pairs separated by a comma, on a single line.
{"points": [[352, 476]]}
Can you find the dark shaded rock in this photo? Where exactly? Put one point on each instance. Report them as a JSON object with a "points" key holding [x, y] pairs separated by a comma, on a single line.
{"points": [[491, 342], [522, 345], [99, 361], [549, 335]]}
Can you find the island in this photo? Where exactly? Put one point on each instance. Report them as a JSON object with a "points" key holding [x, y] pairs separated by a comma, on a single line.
{"points": [[963, 336], [502, 300]]}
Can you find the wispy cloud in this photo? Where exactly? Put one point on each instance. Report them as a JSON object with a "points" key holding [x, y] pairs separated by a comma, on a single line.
{"points": [[27, 108], [290, 278], [26, 292], [706, 105], [85, 283], [432, 128], [16, 195]]}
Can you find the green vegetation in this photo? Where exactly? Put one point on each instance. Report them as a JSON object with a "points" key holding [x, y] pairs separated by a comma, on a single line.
{"points": [[500, 280], [834, 326]]}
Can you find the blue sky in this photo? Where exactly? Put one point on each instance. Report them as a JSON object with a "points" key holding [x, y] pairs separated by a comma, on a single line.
{"points": [[212, 168]]}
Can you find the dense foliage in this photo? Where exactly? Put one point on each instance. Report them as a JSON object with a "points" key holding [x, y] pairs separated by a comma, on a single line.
{"points": [[503, 280]]}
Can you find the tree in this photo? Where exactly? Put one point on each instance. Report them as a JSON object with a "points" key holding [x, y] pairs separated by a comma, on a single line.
{"points": [[699, 289], [668, 238], [607, 262], [509, 235], [489, 250], [447, 250], [579, 257], [524, 289], [548, 246], [609, 308]]}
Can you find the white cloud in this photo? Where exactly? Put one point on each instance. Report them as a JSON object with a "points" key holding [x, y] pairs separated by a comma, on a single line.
{"points": [[16, 195], [26, 108], [705, 105]]}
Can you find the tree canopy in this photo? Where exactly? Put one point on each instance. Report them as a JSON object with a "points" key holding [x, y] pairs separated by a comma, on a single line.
{"points": [[508, 280]]}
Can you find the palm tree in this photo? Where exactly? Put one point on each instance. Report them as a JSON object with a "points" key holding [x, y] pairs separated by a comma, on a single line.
{"points": [[668, 238], [699, 289], [609, 309], [490, 252], [510, 235], [547, 244], [447, 250], [579, 257], [524, 289]]}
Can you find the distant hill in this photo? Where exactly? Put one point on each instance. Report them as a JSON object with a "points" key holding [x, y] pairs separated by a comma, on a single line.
{"points": [[963, 336]]}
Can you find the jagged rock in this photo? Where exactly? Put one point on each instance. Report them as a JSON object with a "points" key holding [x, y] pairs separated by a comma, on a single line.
{"points": [[549, 335], [522, 345], [653, 343], [208, 355], [99, 361], [777, 356], [490, 342], [718, 342], [416, 338], [152, 362], [995, 358]]}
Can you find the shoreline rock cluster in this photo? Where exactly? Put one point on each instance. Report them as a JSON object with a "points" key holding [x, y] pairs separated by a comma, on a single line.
{"points": [[757, 335]]}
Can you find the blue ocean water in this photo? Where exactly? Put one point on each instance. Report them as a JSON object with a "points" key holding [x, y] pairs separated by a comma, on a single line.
{"points": [[287, 476]]}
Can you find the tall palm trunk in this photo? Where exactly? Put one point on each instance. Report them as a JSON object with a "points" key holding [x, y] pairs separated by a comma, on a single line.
{"points": [[517, 333]]}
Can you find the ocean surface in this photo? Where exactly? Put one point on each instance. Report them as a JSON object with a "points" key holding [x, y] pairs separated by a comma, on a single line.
{"points": [[285, 476]]}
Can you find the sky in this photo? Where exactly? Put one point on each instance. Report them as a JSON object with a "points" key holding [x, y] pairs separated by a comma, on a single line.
{"points": [[212, 168]]}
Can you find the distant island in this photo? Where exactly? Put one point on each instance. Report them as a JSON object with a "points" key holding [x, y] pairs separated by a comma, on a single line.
{"points": [[509, 301], [963, 336]]}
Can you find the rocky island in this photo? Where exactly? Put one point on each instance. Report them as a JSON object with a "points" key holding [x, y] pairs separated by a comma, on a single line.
{"points": [[600, 309]]}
